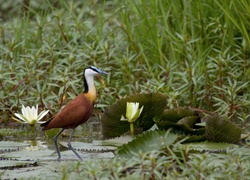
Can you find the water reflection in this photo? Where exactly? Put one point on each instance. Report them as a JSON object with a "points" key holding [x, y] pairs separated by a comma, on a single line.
{"points": [[41, 140], [36, 145]]}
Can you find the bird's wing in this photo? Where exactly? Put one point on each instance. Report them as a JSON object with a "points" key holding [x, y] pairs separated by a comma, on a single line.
{"points": [[76, 112]]}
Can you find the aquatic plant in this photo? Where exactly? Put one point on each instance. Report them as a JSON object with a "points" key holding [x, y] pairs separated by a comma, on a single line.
{"points": [[132, 113], [30, 115]]}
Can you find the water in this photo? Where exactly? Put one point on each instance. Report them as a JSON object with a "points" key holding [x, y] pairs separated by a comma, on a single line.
{"points": [[43, 140]]}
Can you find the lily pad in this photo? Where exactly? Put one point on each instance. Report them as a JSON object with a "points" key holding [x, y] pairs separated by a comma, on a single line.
{"points": [[90, 147], [219, 130], [148, 141], [174, 115], [36, 170], [182, 126], [22, 155], [180, 120], [7, 146], [208, 146], [193, 138], [13, 164], [117, 141]]}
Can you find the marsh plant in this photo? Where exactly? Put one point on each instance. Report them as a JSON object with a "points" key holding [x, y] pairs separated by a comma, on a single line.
{"points": [[199, 50], [194, 52], [29, 115], [132, 114]]}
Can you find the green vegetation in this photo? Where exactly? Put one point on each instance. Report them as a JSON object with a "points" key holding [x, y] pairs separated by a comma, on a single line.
{"points": [[194, 52]]}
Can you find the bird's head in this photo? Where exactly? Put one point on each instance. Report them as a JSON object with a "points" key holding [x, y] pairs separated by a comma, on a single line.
{"points": [[93, 71]]}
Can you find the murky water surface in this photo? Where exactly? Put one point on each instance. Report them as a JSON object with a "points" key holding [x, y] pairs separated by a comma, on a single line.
{"points": [[26, 151], [38, 139]]}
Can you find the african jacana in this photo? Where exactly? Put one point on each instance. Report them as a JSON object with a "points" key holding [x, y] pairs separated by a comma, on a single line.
{"points": [[77, 111]]}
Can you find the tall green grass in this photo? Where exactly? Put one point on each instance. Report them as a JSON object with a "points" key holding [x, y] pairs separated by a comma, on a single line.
{"points": [[196, 52]]}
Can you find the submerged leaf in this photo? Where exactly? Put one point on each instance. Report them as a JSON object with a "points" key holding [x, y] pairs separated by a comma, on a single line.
{"points": [[112, 126]]}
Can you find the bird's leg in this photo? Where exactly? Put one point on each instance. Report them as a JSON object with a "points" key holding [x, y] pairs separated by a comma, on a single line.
{"points": [[70, 147], [55, 141]]}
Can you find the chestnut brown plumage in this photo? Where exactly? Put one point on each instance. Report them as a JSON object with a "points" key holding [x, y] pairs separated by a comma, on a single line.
{"points": [[77, 111]]}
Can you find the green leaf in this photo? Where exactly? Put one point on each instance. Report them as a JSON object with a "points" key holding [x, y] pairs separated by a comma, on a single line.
{"points": [[190, 121], [148, 141], [181, 120], [219, 130], [112, 126], [90, 147], [208, 146], [174, 115]]}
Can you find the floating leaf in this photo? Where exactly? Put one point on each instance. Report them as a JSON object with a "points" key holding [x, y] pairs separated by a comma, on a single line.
{"points": [[13, 164], [112, 126], [208, 146], [24, 155], [117, 141], [89, 147], [148, 141], [7, 146], [219, 130]]}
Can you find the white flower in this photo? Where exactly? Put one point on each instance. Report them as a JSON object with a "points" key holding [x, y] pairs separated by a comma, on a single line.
{"points": [[30, 115], [132, 112]]}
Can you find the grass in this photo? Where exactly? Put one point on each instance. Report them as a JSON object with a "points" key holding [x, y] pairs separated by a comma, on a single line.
{"points": [[196, 52]]}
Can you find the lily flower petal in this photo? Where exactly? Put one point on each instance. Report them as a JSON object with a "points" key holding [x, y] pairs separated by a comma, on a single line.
{"points": [[23, 110], [20, 117], [26, 112], [41, 115], [131, 110], [18, 120]]}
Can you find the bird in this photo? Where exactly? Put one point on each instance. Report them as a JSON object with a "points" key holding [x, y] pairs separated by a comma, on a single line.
{"points": [[77, 111]]}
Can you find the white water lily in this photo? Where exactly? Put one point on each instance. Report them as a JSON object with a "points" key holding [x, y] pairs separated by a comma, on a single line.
{"points": [[30, 115], [132, 113]]}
